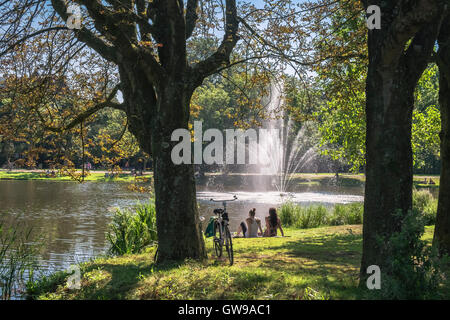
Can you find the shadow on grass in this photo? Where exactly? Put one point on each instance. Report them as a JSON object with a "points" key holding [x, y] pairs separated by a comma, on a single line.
{"points": [[329, 263], [122, 278], [324, 248]]}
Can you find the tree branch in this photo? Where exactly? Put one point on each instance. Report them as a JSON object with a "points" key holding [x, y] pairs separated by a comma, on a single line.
{"points": [[191, 17], [29, 36], [89, 112], [110, 53], [421, 49], [272, 46], [406, 24], [222, 56], [109, 23], [86, 36]]}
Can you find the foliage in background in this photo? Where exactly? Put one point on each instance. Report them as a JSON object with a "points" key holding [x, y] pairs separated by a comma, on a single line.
{"points": [[31, 100], [18, 259], [110, 142], [341, 63], [39, 107], [130, 231], [427, 122], [425, 139], [236, 98]]}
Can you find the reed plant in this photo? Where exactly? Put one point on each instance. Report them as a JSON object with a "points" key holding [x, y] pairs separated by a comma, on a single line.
{"points": [[19, 253], [130, 231], [304, 217]]}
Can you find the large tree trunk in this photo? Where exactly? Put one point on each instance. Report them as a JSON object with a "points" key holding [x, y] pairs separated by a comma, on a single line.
{"points": [[388, 185], [179, 232], [442, 229], [152, 120], [393, 72], [178, 223]]}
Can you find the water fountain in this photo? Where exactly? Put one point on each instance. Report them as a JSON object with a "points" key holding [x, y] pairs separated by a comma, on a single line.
{"points": [[285, 152], [283, 148]]}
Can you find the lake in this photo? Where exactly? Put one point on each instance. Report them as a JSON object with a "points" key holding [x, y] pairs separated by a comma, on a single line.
{"points": [[72, 218]]}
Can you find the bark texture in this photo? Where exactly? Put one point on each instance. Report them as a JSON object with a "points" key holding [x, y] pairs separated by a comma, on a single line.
{"points": [[393, 72], [442, 229]]}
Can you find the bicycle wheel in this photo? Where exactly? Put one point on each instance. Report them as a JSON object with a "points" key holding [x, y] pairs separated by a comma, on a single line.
{"points": [[218, 242], [229, 245]]}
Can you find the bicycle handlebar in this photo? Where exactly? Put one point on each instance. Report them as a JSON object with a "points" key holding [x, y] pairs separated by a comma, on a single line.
{"points": [[234, 198]]}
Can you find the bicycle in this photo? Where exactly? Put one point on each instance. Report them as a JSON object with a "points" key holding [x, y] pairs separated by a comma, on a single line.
{"points": [[222, 234]]}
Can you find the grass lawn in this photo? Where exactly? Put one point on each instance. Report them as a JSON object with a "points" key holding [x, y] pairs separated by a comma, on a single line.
{"points": [[310, 179], [344, 180], [320, 263], [92, 177], [419, 180], [350, 180]]}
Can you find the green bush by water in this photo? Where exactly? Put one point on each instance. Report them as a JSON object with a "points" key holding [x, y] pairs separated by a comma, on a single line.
{"points": [[304, 217], [426, 205], [343, 214], [311, 217], [132, 231], [288, 213], [297, 216]]}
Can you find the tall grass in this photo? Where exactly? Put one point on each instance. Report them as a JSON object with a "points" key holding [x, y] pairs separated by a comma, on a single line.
{"points": [[343, 214], [304, 217], [18, 259], [311, 217], [426, 205], [301, 217], [131, 231]]}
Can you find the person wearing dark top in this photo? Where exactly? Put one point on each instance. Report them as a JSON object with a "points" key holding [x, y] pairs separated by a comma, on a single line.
{"points": [[273, 223]]}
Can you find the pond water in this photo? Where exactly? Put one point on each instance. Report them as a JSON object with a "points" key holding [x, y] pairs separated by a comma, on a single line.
{"points": [[72, 218]]}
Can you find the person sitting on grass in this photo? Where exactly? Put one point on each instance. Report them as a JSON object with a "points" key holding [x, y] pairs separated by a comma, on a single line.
{"points": [[251, 225], [273, 223]]}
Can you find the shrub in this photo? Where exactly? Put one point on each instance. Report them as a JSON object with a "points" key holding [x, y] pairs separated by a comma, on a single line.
{"points": [[293, 215], [421, 198], [132, 231], [429, 213], [346, 214], [287, 213], [425, 205], [413, 270], [310, 217], [46, 283]]}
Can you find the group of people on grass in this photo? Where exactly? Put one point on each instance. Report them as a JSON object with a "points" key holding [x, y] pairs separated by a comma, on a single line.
{"points": [[252, 228]]}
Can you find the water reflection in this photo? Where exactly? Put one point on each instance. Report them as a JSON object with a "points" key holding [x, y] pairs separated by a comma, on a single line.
{"points": [[72, 218]]}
